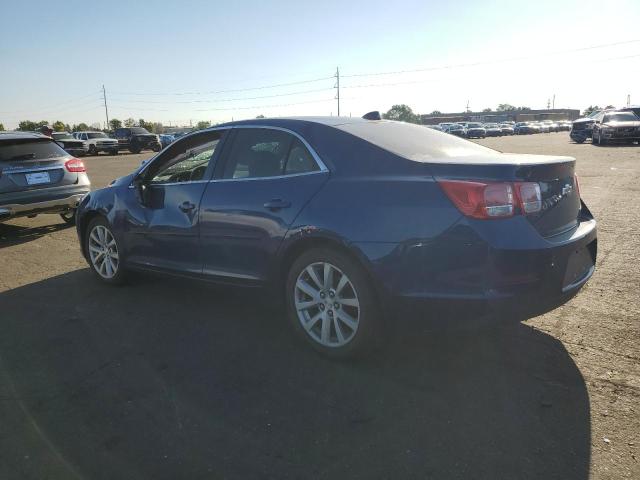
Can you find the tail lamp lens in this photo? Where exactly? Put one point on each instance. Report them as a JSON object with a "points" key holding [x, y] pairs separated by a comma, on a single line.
{"points": [[75, 165], [530, 197], [493, 200], [480, 200]]}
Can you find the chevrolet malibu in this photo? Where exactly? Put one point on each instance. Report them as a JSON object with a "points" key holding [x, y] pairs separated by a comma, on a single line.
{"points": [[344, 218]]}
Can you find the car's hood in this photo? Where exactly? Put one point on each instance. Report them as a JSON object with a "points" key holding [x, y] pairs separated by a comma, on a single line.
{"points": [[583, 120], [126, 180]]}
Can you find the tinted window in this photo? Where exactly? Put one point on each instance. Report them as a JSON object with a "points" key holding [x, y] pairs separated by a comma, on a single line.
{"points": [[122, 132], [258, 152], [38, 150], [139, 130], [299, 159], [187, 160], [620, 117]]}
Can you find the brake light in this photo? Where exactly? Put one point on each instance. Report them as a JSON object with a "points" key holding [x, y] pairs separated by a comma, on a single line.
{"points": [[485, 200], [75, 165], [529, 197], [480, 200]]}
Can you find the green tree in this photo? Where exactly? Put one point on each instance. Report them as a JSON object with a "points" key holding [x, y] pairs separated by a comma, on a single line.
{"points": [[609, 106], [436, 112], [29, 126], [401, 113], [590, 109], [261, 116], [157, 127], [487, 110], [524, 109], [80, 127], [505, 107], [202, 124], [114, 123], [1, 127], [58, 126], [129, 122]]}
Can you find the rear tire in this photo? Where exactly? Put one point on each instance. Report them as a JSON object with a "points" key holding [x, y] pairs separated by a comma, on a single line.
{"points": [[114, 152], [69, 217], [331, 303], [103, 253], [134, 150], [93, 150]]}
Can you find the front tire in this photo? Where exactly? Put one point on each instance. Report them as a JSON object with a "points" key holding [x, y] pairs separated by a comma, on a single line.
{"points": [[69, 217], [114, 152], [103, 253], [331, 303], [93, 150]]}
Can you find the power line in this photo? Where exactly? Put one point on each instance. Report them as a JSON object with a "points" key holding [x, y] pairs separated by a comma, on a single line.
{"points": [[234, 90], [227, 99], [55, 105], [490, 62]]}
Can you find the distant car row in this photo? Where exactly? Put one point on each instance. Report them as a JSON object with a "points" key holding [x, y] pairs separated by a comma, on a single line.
{"points": [[134, 139], [482, 130], [608, 126]]}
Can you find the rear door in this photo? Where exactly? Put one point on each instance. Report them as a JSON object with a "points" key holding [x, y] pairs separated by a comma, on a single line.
{"points": [[32, 164], [266, 177]]}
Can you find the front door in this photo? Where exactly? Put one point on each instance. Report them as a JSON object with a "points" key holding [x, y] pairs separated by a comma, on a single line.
{"points": [[162, 226], [265, 179]]}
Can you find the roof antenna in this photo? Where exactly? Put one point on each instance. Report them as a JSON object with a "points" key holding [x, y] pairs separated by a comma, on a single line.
{"points": [[375, 115]]}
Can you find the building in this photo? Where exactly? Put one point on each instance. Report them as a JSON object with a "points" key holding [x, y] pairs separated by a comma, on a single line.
{"points": [[510, 115]]}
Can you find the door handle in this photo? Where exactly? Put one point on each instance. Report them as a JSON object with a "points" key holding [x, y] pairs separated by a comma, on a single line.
{"points": [[187, 207], [277, 204]]}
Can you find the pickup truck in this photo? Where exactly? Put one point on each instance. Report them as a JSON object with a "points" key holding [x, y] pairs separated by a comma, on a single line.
{"points": [[136, 139]]}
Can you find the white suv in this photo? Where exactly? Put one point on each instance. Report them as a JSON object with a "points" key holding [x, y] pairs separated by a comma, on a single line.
{"points": [[96, 142]]}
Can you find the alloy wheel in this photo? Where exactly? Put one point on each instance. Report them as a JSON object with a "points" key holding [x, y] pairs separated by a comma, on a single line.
{"points": [[103, 252], [327, 304]]}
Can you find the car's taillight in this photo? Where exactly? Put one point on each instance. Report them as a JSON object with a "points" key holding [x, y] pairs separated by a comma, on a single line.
{"points": [[75, 165], [480, 200], [529, 197], [485, 200]]}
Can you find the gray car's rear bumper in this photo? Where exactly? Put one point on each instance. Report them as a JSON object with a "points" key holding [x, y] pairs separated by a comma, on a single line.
{"points": [[54, 204]]}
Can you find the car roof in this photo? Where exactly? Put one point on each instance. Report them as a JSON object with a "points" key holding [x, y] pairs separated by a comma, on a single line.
{"points": [[22, 136], [279, 121]]}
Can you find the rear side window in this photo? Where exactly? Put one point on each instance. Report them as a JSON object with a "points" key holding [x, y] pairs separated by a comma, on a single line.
{"points": [[416, 142], [262, 152], [38, 150], [122, 132]]}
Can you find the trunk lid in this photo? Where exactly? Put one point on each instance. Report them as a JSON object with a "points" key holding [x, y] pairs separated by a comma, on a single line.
{"points": [[32, 164], [556, 176]]}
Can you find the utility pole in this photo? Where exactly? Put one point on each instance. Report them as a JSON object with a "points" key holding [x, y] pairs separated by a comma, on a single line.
{"points": [[106, 112], [553, 103], [337, 87], [548, 103], [467, 105], [628, 99]]}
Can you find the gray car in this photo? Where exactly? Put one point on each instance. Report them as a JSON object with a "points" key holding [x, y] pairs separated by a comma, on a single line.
{"points": [[38, 176]]}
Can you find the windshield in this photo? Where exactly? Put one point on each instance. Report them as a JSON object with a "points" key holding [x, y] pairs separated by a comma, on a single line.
{"points": [[30, 150], [97, 135], [620, 117]]}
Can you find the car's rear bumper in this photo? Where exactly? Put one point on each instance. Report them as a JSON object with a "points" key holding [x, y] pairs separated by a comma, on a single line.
{"points": [[50, 202]]}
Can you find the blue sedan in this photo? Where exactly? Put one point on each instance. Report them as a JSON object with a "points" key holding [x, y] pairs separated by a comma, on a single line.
{"points": [[344, 218]]}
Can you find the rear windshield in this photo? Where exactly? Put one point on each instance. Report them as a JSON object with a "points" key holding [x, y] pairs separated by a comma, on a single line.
{"points": [[96, 135], [415, 142], [138, 130], [30, 150]]}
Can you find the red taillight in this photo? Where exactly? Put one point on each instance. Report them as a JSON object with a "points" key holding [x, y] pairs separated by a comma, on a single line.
{"points": [[75, 165], [493, 200], [480, 200]]}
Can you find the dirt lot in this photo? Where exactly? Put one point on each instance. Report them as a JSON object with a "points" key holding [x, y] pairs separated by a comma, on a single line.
{"points": [[166, 378]]}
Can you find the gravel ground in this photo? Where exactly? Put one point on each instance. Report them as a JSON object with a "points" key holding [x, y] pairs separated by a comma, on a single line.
{"points": [[167, 378]]}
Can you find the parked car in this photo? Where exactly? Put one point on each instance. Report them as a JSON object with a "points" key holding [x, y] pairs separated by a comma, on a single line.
{"points": [[166, 140], [507, 129], [283, 204], [444, 125], [616, 127], [96, 142], [475, 130], [523, 128], [136, 139], [69, 143], [542, 127], [581, 128], [564, 126], [456, 129], [38, 176], [493, 129]]}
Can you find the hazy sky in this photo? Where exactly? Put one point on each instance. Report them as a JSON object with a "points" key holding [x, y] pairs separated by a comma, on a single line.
{"points": [[184, 61]]}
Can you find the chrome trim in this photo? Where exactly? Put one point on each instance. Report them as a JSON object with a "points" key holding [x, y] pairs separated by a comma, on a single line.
{"points": [[26, 169], [169, 184]]}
